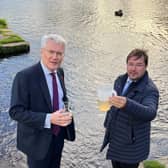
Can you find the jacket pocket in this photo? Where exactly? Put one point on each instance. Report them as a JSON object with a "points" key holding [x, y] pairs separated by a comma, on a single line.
{"points": [[26, 129]]}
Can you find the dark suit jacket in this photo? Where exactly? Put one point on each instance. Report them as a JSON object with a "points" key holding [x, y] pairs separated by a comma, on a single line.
{"points": [[30, 102]]}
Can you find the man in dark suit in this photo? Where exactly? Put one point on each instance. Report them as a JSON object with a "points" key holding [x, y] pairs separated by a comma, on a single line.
{"points": [[38, 105], [128, 121]]}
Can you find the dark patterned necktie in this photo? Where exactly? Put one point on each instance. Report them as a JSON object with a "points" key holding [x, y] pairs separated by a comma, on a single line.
{"points": [[55, 128]]}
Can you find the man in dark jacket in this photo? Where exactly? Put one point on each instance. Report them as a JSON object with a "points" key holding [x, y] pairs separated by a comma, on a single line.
{"points": [[128, 122], [37, 104]]}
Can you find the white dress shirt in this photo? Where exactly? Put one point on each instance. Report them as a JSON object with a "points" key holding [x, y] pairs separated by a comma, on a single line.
{"points": [[48, 78]]}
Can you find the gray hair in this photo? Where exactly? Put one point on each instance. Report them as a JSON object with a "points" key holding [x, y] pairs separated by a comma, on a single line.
{"points": [[55, 37]]}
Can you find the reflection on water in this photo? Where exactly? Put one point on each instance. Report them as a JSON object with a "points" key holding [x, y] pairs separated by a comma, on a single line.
{"points": [[98, 43]]}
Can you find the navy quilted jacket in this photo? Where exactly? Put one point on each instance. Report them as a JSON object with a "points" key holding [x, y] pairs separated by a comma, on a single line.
{"points": [[128, 129]]}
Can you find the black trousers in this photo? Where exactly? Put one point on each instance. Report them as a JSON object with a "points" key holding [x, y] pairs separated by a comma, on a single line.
{"points": [[117, 164], [53, 157]]}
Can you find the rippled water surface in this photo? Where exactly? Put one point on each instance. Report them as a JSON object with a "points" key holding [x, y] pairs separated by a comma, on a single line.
{"points": [[98, 43]]}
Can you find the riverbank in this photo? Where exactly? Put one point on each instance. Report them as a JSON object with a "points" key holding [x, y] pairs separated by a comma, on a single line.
{"points": [[10, 42]]}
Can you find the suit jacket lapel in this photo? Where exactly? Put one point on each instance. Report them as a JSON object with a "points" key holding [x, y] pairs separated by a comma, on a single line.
{"points": [[44, 88], [120, 84]]}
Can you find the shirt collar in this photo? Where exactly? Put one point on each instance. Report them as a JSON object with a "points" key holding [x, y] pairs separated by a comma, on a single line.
{"points": [[129, 80], [45, 69]]}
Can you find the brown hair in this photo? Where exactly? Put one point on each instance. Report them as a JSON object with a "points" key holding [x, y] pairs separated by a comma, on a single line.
{"points": [[138, 53]]}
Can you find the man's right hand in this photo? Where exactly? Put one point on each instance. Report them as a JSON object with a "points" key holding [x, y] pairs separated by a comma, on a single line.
{"points": [[117, 101], [61, 118]]}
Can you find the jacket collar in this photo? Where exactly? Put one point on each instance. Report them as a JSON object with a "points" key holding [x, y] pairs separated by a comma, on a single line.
{"points": [[137, 86], [43, 85]]}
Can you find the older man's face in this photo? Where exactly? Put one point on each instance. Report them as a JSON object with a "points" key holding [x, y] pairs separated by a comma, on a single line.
{"points": [[52, 55], [136, 67]]}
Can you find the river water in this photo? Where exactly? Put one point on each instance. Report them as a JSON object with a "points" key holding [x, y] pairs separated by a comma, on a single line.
{"points": [[98, 43]]}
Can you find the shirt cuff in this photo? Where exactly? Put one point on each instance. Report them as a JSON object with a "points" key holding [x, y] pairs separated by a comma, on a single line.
{"points": [[47, 121]]}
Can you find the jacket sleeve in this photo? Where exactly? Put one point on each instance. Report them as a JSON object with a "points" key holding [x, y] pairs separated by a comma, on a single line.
{"points": [[20, 104], [146, 109]]}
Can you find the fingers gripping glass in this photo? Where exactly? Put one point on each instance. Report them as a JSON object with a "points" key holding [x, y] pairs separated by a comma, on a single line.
{"points": [[103, 93], [66, 106]]}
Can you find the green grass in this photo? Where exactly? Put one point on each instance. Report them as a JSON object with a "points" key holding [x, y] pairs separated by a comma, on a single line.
{"points": [[3, 23], [5, 31], [153, 164], [7, 36], [11, 39]]}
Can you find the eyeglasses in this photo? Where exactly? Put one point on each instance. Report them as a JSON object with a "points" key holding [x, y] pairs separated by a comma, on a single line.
{"points": [[52, 52], [135, 65]]}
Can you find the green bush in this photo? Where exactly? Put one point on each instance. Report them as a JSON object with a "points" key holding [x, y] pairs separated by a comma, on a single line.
{"points": [[153, 164], [3, 23]]}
